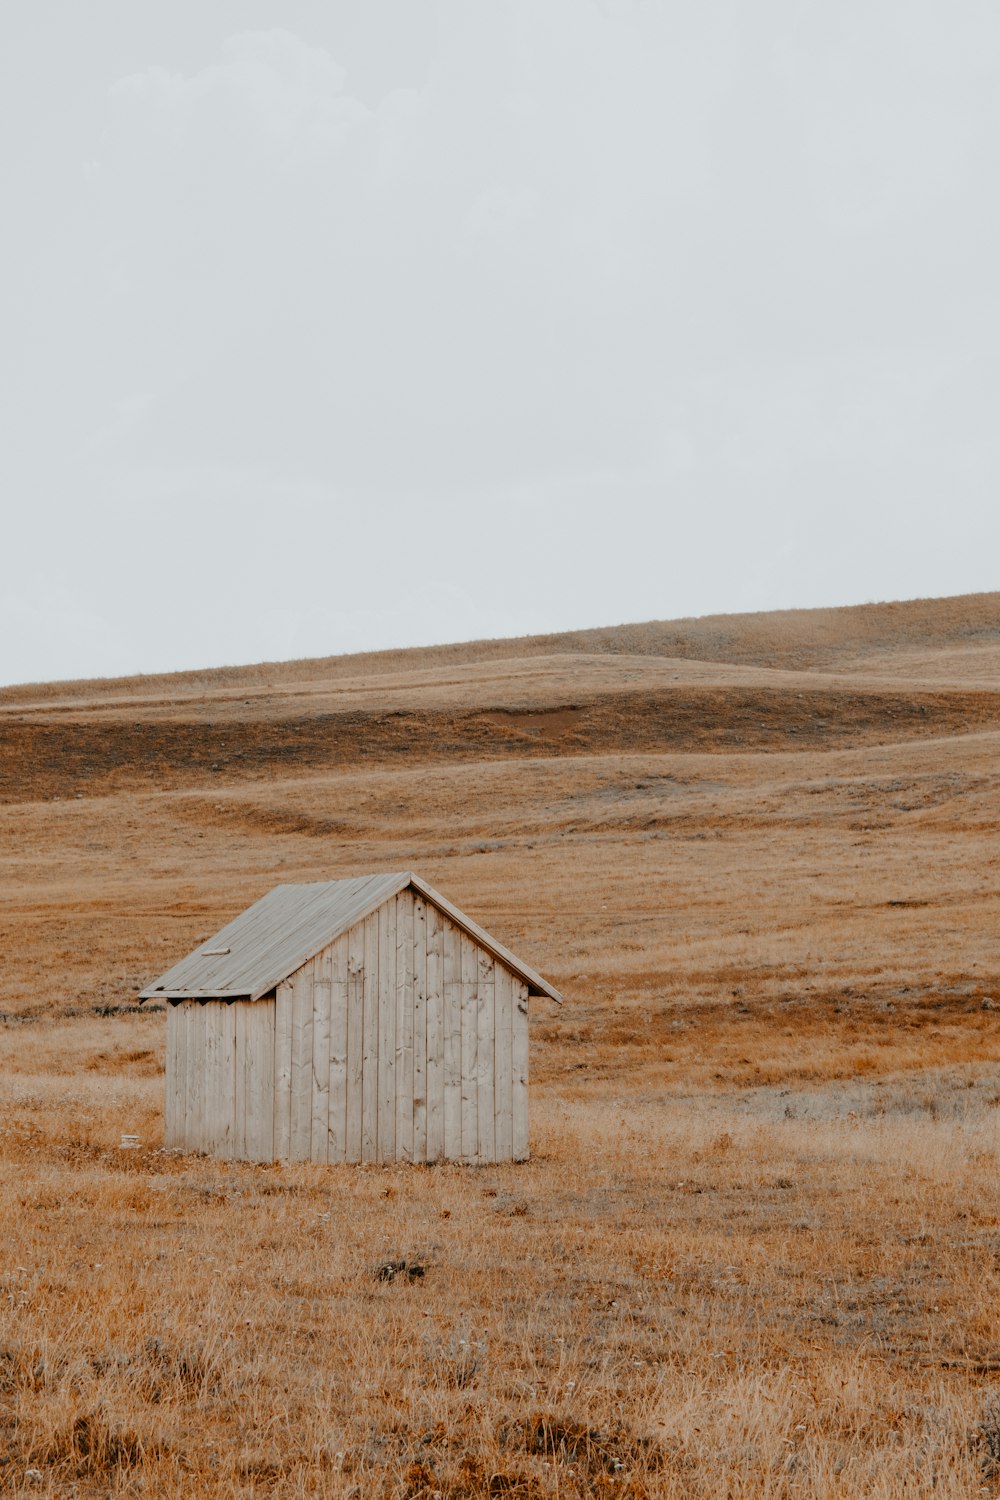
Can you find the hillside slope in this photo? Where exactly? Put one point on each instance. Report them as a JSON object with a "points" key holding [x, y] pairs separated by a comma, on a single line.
{"points": [[805, 639], [755, 1250], [519, 772]]}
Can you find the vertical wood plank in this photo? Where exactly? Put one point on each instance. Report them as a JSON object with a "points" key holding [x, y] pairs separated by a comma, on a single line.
{"points": [[485, 1057], [215, 1101], [259, 1025], [180, 1074], [520, 1072], [369, 1098], [211, 1130], [225, 1085], [503, 1095], [302, 1040], [240, 1147], [404, 1026], [226, 1145], [452, 1041], [170, 1063], [203, 1078], [283, 1071], [195, 1059], [470, 1049], [419, 1029], [176, 1081], [355, 1037], [336, 1150], [320, 1090], [435, 1032], [387, 1031]]}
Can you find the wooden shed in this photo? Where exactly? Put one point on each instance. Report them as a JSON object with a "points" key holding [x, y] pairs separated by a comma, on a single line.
{"points": [[349, 1021]]}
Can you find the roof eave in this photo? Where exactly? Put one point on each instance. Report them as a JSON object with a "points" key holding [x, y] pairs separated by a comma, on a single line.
{"points": [[546, 991], [536, 984], [155, 994]]}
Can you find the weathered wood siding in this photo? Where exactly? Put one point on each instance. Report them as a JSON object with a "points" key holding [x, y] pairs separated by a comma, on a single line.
{"points": [[220, 1078], [399, 1042], [403, 1040]]}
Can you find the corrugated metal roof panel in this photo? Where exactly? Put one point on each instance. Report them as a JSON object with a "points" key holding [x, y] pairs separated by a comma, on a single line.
{"points": [[278, 934]]}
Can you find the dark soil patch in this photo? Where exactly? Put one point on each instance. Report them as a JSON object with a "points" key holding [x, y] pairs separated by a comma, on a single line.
{"points": [[43, 757]]}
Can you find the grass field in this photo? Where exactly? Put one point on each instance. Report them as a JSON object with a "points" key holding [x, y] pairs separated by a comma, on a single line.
{"points": [[757, 1249]]}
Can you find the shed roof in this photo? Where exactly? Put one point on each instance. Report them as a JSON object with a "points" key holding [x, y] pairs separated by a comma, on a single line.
{"points": [[254, 952]]}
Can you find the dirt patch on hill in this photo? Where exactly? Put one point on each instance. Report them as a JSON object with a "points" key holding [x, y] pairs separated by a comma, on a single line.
{"points": [[42, 758]]}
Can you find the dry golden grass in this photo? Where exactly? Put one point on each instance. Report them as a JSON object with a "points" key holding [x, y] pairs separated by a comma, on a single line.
{"points": [[757, 1249]]}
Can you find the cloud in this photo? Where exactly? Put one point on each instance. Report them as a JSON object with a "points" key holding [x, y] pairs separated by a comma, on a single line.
{"points": [[458, 268], [634, 292], [270, 87]]}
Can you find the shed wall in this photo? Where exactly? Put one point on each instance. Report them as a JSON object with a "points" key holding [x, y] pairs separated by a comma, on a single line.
{"points": [[220, 1078], [403, 1040]]}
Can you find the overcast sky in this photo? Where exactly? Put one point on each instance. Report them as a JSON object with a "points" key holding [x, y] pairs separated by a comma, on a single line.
{"points": [[337, 324]]}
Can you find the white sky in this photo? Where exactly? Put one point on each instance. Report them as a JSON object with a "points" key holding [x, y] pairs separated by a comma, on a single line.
{"points": [[337, 324]]}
